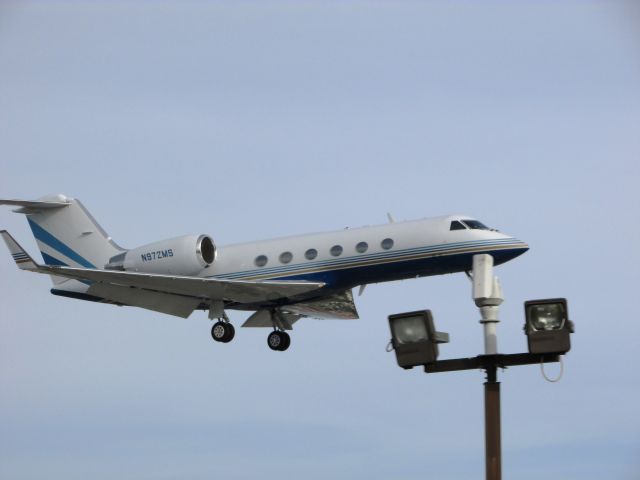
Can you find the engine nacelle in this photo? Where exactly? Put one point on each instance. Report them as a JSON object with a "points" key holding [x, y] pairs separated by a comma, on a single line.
{"points": [[186, 255]]}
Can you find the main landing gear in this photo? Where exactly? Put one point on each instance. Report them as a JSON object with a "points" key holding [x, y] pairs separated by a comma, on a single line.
{"points": [[278, 340], [223, 332]]}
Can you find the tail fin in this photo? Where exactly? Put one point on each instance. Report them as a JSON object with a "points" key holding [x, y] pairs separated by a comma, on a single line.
{"points": [[66, 233]]}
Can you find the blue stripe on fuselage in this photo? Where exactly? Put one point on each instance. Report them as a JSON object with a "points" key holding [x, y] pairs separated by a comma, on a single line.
{"points": [[350, 277]]}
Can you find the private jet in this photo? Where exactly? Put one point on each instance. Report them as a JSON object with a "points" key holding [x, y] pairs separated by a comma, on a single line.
{"points": [[280, 280]]}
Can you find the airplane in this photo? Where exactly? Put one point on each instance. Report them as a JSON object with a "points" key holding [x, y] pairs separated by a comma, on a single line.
{"points": [[281, 280]]}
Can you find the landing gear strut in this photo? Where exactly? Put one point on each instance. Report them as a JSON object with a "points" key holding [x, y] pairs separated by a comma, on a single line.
{"points": [[278, 340]]}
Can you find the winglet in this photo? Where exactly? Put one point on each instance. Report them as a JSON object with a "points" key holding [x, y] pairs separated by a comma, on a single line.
{"points": [[22, 258]]}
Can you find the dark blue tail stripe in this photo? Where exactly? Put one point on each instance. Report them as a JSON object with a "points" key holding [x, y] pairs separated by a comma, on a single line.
{"points": [[49, 260], [45, 237]]}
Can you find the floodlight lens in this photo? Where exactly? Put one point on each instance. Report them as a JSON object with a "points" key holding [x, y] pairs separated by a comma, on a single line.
{"points": [[548, 316], [409, 329]]}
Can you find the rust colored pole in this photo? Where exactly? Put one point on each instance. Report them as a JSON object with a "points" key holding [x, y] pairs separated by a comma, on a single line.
{"points": [[492, 425]]}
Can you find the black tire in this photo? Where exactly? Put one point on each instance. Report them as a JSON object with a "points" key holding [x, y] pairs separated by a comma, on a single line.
{"points": [[231, 332], [220, 331], [278, 341], [286, 341], [275, 340]]}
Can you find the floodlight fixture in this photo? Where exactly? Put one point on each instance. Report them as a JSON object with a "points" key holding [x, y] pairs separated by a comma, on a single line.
{"points": [[414, 338], [548, 326]]}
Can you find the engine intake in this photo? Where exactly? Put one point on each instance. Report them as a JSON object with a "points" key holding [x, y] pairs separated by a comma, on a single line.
{"points": [[206, 249], [186, 255]]}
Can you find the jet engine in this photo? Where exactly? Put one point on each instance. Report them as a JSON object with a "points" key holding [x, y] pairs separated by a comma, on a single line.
{"points": [[186, 255]]}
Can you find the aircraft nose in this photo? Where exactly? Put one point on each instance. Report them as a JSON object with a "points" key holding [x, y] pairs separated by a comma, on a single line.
{"points": [[519, 247], [512, 248]]}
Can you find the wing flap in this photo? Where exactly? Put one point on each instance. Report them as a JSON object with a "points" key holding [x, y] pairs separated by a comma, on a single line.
{"points": [[265, 319], [177, 305], [339, 306]]}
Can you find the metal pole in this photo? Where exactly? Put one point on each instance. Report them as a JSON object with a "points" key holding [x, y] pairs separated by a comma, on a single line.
{"points": [[490, 331], [493, 455], [488, 296]]}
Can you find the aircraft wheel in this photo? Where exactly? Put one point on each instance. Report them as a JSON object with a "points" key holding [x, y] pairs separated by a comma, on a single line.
{"points": [[223, 332], [231, 332], [278, 341], [286, 341]]}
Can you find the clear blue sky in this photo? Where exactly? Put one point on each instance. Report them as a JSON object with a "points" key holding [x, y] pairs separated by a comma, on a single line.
{"points": [[250, 120]]}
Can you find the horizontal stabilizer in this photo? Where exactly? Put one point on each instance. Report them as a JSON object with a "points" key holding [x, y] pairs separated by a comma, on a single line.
{"points": [[22, 258], [33, 206]]}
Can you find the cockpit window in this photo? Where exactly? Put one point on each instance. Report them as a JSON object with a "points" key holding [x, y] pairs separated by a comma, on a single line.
{"points": [[456, 225], [475, 225]]}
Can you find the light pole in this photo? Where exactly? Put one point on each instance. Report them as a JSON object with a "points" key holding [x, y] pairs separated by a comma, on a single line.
{"points": [[488, 296], [547, 327]]}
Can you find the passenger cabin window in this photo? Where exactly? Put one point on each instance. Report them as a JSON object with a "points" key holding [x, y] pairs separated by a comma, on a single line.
{"points": [[362, 247], [311, 254], [475, 225], [261, 260], [286, 257], [456, 225], [387, 243], [336, 250]]}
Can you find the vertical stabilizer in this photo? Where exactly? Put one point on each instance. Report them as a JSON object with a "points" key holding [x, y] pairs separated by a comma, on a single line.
{"points": [[66, 233]]}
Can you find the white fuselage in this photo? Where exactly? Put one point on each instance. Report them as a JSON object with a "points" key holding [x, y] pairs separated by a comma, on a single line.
{"points": [[371, 254]]}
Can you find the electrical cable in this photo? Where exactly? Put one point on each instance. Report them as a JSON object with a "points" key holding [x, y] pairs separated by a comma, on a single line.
{"points": [[552, 380], [389, 346]]}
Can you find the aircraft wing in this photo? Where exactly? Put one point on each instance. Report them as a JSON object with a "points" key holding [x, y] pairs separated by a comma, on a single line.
{"points": [[206, 288], [196, 287]]}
